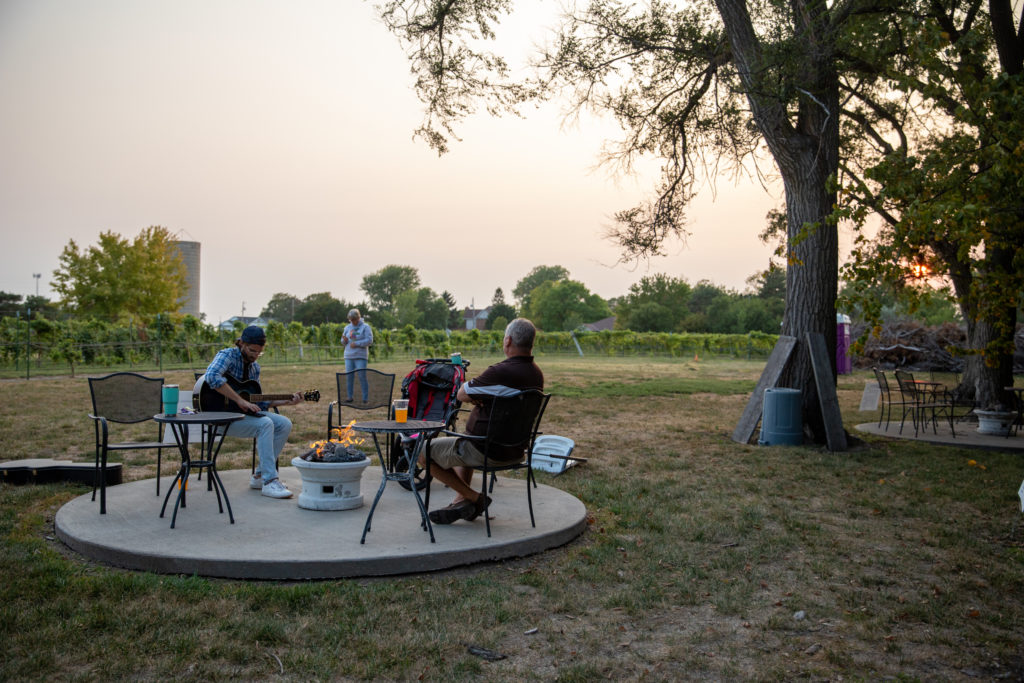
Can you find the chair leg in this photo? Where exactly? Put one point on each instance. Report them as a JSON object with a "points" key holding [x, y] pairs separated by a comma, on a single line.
{"points": [[103, 483], [159, 453], [487, 510]]}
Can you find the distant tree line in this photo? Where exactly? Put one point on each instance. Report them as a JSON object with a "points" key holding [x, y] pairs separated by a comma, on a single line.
{"points": [[131, 283]]}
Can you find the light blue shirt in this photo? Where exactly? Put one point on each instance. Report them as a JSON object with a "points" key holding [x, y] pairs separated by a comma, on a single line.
{"points": [[357, 345]]}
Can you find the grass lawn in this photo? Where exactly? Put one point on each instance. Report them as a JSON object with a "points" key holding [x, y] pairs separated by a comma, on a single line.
{"points": [[704, 559]]}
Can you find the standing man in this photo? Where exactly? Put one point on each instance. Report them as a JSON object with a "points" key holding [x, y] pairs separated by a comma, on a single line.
{"points": [[451, 458], [270, 429], [357, 338]]}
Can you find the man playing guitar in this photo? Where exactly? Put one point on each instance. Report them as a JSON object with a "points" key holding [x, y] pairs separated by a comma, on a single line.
{"points": [[270, 429]]}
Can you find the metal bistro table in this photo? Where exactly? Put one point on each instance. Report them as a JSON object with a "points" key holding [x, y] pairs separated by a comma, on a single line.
{"points": [[213, 425], [388, 428]]}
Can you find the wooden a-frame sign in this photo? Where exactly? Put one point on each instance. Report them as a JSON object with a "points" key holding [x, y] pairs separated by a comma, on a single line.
{"points": [[773, 370], [777, 361], [835, 436]]}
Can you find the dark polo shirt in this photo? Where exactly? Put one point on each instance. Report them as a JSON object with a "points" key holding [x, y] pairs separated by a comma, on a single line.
{"points": [[510, 376]]}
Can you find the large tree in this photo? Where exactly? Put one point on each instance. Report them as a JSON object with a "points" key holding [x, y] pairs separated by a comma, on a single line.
{"points": [[281, 307], [383, 286], [947, 186], [657, 303], [500, 310], [565, 305], [534, 279], [703, 85], [321, 307], [118, 277], [422, 308]]}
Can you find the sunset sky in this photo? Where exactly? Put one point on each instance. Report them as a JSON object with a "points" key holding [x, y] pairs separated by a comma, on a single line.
{"points": [[278, 135]]}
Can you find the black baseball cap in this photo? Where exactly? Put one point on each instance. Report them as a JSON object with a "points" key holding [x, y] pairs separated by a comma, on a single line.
{"points": [[254, 335]]}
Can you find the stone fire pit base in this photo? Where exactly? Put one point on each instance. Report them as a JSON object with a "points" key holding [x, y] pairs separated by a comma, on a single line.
{"points": [[330, 485]]}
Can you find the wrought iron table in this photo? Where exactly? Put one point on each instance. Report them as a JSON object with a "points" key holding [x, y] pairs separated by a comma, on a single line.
{"points": [[408, 459], [213, 425]]}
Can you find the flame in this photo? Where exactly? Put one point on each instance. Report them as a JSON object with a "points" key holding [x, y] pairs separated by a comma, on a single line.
{"points": [[345, 437]]}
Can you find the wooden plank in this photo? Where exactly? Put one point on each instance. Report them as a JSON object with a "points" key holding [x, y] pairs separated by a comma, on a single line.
{"points": [[773, 370], [827, 398]]}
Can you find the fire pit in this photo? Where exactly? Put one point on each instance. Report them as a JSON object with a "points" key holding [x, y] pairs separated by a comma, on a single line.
{"points": [[331, 473]]}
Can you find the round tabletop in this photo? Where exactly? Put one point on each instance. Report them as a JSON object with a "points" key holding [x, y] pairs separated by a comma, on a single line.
{"points": [[212, 417], [392, 427]]}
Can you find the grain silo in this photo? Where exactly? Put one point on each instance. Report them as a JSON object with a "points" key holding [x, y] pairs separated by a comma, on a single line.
{"points": [[189, 252]]}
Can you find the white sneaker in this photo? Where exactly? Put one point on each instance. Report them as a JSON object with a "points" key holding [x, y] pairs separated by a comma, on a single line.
{"points": [[275, 489], [256, 481]]}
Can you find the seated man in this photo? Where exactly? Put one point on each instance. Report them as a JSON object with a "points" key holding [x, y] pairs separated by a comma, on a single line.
{"points": [[270, 429], [453, 458]]}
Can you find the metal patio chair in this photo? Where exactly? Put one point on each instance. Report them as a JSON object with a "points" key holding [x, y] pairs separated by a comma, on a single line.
{"points": [[123, 398]]}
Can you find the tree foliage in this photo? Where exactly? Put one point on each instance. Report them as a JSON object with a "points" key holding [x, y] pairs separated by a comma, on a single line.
{"points": [[116, 277], [564, 305], [535, 278], [501, 312], [946, 178], [383, 286], [421, 308], [321, 307], [281, 307], [657, 303]]}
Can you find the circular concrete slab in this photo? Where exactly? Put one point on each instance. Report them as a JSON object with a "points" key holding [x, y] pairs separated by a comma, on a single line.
{"points": [[275, 539]]}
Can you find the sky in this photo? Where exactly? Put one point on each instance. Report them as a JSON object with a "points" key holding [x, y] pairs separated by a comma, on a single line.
{"points": [[279, 136]]}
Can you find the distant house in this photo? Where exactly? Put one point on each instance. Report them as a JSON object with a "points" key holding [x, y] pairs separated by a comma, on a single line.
{"points": [[476, 318], [229, 324], [600, 325]]}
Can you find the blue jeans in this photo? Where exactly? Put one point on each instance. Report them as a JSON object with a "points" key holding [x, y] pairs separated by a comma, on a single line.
{"points": [[351, 365], [271, 431]]}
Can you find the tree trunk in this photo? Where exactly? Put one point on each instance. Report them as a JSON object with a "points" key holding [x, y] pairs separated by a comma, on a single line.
{"points": [[806, 151], [985, 372]]}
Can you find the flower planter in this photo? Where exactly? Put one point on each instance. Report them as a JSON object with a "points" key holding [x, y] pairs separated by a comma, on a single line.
{"points": [[330, 485], [995, 422]]}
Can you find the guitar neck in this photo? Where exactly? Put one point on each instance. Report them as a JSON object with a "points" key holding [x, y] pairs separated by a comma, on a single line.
{"points": [[256, 398]]}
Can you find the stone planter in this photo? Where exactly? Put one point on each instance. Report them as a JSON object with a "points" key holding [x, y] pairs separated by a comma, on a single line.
{"points": [[330, 485], [995, 422]]}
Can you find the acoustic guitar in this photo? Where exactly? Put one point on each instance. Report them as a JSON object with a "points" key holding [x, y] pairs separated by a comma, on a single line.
{"points": [[207, 399]]}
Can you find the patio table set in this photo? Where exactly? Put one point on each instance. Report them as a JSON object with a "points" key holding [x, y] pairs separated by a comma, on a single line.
{"points": [[928, 402]]}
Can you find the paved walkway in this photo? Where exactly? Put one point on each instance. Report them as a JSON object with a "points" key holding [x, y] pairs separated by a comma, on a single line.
{"points": [[967, 436], [275, 539]]}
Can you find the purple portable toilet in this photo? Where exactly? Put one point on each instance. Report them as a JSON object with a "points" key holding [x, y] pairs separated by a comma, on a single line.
{"points": [[844, 364]]}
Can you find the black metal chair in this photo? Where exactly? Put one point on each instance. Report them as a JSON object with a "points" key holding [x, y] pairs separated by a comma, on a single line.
{"points": [[927, 398], [124, 398], [513, 423], [887, 402], [379, 390]]}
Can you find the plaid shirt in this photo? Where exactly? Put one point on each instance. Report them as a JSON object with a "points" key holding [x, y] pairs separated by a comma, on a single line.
{"points": [[229, 362]]}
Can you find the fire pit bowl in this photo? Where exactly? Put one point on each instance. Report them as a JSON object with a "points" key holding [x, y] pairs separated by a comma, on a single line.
{"points": [[331, 482], [330, 485]]}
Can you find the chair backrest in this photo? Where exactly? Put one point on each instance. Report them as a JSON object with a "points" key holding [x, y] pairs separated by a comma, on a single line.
{"points": [[883, 384], [381, 386], [906, 381], [126, 397], [513, 420]]}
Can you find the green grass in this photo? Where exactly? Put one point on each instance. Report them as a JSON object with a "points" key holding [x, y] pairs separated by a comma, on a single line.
{"points": [[906, 559]]}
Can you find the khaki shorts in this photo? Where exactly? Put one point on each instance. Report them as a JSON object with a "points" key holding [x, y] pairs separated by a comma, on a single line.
{"points": [[451, 451]]}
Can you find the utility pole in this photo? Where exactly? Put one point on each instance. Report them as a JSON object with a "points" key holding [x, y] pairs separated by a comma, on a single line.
{"points": [[37, 276]]}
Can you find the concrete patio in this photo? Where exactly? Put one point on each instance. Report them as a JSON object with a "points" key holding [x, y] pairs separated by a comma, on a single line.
{"points": [[275, 539], [967, 435]]}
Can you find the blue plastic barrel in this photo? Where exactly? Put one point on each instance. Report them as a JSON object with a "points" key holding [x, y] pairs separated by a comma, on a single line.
{"points": [[781, 418]]}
